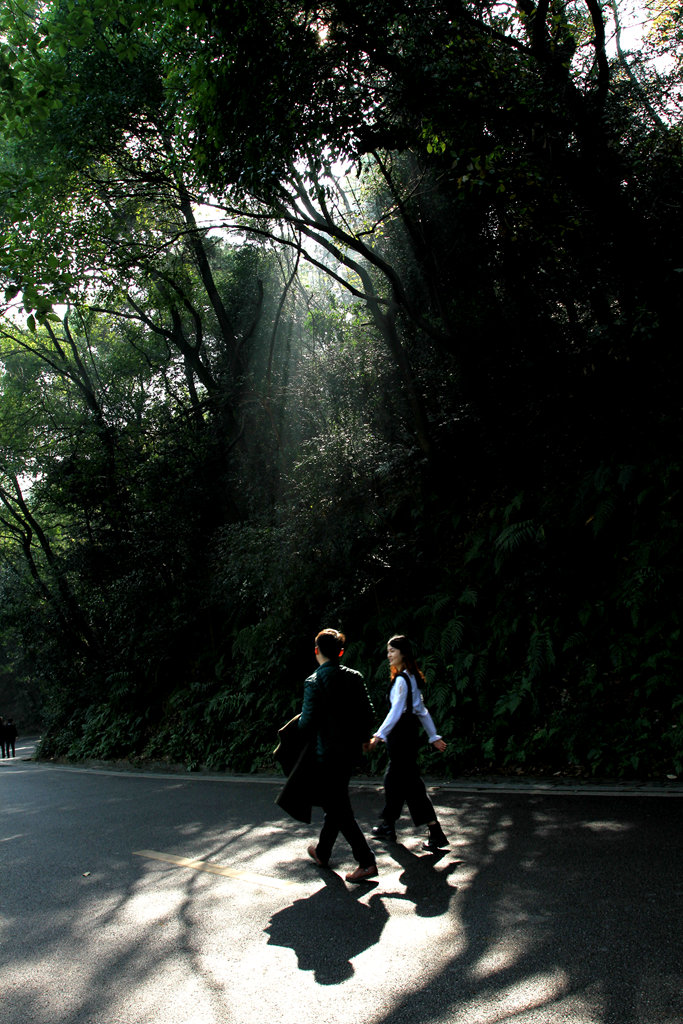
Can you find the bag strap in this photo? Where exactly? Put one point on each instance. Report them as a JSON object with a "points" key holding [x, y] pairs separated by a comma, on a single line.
{"points": [[408, 709]]}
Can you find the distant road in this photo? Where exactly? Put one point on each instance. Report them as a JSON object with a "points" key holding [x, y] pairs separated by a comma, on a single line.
{"points": [[142, 899]]}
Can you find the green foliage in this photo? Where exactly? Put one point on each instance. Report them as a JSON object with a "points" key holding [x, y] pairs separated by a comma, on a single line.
{"points": [[439, 395]]}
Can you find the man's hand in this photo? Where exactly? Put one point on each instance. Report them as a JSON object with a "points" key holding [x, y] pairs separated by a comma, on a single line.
{"points": [[439, 745], [374, 740]]}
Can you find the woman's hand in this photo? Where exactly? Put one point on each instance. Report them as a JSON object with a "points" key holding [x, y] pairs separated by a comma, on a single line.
{"points": [[374, 740], [439, 745]]}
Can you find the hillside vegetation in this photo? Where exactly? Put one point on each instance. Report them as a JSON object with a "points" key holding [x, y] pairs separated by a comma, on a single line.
{"points": [[358, 315]]}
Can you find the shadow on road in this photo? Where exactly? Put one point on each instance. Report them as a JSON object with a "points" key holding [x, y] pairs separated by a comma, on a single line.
{"points": [[557, 910], [568, 912], [328, 929], [428, 889]]}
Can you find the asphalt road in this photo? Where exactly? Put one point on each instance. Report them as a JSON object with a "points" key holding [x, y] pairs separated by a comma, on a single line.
{"points": [[138, 899]]}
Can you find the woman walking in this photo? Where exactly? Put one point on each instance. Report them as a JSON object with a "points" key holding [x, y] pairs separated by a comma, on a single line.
{"points": [[400, 730]]}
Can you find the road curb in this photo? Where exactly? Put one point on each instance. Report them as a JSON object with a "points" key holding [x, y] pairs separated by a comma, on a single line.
{"points": [[520, 787], [544, 786]]}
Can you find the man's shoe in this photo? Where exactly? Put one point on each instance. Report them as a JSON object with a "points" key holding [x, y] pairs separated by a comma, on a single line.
{"points": [[385, 831], [360, 874], [436, 840], [312, 852]]}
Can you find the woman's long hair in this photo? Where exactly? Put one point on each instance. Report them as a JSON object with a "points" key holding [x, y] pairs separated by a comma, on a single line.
{"points": [[403, 644]]}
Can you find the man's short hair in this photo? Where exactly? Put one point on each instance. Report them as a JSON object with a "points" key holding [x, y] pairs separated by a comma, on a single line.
{"points": [[330, 643]]}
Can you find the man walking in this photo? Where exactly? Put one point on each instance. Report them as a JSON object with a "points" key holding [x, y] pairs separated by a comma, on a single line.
{"points": [[337, 716]]}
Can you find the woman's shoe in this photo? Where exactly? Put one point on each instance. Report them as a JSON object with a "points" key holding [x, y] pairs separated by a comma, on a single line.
{"points": [[385, 831], [436, 840], [360, 874]]}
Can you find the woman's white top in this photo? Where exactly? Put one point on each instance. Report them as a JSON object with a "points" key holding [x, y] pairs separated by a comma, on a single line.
{"points": [[397, 699]]}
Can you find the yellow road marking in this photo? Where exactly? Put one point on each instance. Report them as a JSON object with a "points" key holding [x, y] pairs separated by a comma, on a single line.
{"points": [[214, 869]]}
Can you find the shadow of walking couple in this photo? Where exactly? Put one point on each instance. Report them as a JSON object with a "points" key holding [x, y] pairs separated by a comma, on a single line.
{"points": [[333, 926]]}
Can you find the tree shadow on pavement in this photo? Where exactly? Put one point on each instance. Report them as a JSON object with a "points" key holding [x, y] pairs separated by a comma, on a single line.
{"points": [[328, 929], [557, 917], [562, 910]]}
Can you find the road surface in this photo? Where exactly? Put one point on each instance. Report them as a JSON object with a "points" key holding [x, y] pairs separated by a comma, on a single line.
{"points": [[150, 899]]}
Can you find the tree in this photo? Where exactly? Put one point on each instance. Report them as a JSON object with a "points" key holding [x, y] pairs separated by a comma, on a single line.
{"points": [[325, 269]]}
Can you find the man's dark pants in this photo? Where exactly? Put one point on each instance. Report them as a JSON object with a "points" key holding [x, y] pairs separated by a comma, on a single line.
{"points": [[333, 786]]}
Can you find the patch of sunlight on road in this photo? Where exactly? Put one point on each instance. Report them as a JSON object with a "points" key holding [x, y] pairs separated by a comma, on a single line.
{"points": [[148, 907], [495, 960], [607, 826], [520, 1002]]}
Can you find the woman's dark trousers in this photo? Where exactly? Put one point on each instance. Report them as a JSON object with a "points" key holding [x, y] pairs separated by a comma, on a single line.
{"points": [[402, 782]]}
